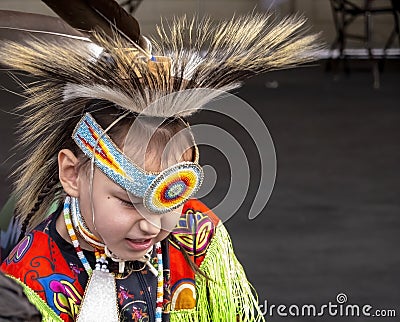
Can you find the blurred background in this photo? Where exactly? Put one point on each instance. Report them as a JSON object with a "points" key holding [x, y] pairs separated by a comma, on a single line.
{"points": [[332, 223]]}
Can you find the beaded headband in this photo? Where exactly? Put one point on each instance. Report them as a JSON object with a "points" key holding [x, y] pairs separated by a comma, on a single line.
{"points": [[161, 191]]}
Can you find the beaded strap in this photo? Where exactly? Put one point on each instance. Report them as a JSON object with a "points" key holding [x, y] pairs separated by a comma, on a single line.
{"points": [[72, 235], [160, 284], [81, 228]]}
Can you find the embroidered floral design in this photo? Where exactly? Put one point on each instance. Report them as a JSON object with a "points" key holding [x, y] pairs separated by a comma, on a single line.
{"points": [[61, 294]]}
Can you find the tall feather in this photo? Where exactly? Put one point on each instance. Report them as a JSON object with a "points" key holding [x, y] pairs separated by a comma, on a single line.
{"points": [[18, 26], [195, 55], [100, 15], [24, 20]]}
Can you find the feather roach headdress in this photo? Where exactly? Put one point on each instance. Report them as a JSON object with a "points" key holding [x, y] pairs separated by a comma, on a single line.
{"points": [[99, 53]]}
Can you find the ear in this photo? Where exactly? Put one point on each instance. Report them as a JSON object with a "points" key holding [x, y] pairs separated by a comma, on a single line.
{"points": [[68, 169]]}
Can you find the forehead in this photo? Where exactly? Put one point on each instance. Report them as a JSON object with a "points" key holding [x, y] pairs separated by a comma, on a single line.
{"points": [[103, 182], [154, 152]]}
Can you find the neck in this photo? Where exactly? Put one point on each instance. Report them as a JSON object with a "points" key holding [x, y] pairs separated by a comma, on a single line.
{"points": [[62, 230]]}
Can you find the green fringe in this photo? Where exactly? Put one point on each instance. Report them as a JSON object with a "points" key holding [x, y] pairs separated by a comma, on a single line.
{"points": [[183, 315], [228, 295], [48, 315]]}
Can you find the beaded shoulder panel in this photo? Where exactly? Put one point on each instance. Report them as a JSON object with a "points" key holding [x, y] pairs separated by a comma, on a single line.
{"points": [[194, 232], [38, 263]]}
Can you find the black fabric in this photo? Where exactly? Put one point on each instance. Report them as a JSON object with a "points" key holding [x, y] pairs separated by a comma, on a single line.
{"points": [[14, 306]]}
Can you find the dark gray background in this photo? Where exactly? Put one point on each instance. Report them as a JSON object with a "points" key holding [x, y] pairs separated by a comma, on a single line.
{"points": [[332, 224]]}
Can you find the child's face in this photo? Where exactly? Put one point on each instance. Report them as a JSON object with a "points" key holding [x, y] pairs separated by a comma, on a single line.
{"points": [[118, 222]]}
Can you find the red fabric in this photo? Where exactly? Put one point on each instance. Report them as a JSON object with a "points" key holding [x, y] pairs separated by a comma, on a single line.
{"points": [[37, 262], [193, 232]]}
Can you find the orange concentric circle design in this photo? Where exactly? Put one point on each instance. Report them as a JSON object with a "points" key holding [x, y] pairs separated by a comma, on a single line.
{"points": [[172, 187]]}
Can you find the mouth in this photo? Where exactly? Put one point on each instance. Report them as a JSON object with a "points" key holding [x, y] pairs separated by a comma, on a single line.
{"points": [[139, 244]]}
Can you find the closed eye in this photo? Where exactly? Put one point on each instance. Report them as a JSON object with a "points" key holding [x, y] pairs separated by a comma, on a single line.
{"points": [[126, 203]]}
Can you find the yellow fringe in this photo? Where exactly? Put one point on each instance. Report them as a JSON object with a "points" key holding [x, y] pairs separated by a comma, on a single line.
{"points": [[183, 315], [228, 296]]}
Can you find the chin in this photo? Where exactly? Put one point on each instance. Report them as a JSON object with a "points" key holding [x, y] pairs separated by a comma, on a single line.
{"points": [[125, 255], [132, 256], [135, 257]]}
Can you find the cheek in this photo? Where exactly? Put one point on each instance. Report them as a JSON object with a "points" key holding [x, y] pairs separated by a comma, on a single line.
{"points": [[111, 219], [170, 220], [162, 235]]}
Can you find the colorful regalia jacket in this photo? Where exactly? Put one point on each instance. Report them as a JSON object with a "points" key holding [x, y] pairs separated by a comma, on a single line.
{"points": [[54, 279]]}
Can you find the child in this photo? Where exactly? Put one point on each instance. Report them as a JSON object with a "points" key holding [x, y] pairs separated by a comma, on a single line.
{"points": [[106, 138]]}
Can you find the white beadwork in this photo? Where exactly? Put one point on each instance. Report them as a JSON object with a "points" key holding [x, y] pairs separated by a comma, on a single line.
{"points": [[100, 300]]}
